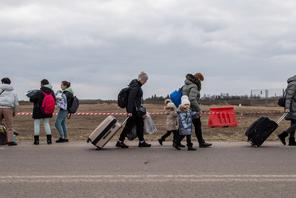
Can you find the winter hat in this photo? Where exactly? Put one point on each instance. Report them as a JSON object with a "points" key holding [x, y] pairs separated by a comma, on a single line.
{"points": [[185, 100], [166, 101], [199, 76]]}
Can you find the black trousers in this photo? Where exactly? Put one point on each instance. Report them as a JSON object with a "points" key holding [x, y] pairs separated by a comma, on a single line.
{"points": [[198, 131], [188, 139], [131, 122], [292, 129], [168, 133]]}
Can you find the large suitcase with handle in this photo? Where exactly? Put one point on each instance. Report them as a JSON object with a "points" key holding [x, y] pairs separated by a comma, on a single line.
{"points": [[261, 129], [105, 131]]}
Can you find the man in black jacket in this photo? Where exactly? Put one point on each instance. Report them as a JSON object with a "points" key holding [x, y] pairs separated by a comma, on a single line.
{"points": [[135, 112]]}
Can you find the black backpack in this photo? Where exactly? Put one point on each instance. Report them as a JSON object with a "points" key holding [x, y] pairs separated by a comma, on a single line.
{"points": [[75, 105], [123, 98]]}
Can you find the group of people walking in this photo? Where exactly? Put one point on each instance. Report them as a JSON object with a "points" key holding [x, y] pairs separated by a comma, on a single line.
{"points": [[179, 122], [44, 102]]}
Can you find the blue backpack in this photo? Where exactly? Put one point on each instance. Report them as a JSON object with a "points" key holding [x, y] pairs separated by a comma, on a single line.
{"points": [[176, 96]]}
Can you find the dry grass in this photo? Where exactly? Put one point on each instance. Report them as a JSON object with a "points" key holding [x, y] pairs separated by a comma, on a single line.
{"points": [[81, 126]]}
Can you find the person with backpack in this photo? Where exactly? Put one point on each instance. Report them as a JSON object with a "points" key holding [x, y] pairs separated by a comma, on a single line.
{"points": [[133, 97], [192, 89], [8, 104], [290, 108], [65, 100], [44, 106]]}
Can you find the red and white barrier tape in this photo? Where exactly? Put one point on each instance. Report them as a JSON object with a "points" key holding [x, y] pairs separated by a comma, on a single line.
{"points": [[153, 113]]}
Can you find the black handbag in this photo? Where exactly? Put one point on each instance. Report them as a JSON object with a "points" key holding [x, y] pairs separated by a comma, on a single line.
{"points": [[141, 111]]}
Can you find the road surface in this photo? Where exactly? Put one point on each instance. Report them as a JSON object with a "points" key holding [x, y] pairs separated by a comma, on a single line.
{"points": [[78, 170]]}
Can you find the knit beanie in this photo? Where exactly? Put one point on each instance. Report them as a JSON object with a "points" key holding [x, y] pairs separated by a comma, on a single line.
{"points": [[185, 100], [171, 105]]}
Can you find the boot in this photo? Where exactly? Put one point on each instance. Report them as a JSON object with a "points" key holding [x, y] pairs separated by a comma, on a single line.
{"points": [[283, 136], [176, 146], [144, 145], [204, 145], [190, 147], [36, 140], [292, 141], [48, 137], [160, 141], [120, 144], [182, 145]]}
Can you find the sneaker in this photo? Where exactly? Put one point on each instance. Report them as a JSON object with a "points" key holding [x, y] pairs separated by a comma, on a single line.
{"points": [[12, 144], [120, 144], [160, 141], [60, 140], [144, 145]]}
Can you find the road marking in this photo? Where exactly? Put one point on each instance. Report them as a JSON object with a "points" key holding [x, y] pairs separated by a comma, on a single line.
{"points": [[145, 178]]}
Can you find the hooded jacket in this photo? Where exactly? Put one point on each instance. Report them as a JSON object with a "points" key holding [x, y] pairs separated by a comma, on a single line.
{"points": [[192, 89], [291, 98], [8, 98], [185, 121], [172, 122], [37, 100], [134, 97]]}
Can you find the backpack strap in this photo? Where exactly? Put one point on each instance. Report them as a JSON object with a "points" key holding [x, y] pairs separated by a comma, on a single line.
{"points": [[2, 92]]}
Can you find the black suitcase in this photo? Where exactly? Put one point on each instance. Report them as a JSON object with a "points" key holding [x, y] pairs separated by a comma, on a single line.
{"points": [[261, 129]]}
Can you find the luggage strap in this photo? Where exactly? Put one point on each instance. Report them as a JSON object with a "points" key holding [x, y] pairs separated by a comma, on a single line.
{"points": [[282, 118]]}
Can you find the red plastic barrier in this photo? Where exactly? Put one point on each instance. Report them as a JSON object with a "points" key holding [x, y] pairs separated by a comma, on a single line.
{"points": [[222, 117]]}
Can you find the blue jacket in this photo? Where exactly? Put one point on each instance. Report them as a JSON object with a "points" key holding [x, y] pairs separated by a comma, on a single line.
{"points": [[185, 121]]}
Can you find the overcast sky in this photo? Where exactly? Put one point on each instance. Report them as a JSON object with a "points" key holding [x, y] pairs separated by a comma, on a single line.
{"points": [[100, 45]]}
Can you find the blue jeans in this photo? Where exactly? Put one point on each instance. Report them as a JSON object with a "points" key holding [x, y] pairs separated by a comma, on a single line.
{"points": [[61, 125]]}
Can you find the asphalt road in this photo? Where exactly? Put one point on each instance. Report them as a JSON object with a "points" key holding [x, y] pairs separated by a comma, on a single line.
{"points": [[78, 170]]}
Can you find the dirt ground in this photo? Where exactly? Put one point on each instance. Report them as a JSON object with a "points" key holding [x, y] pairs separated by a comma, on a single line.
{"points": [[81, 126]]}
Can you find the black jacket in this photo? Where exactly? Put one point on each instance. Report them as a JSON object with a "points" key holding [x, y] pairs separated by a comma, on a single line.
{"points": [[37, 99], [70, 98], [135, 96]]}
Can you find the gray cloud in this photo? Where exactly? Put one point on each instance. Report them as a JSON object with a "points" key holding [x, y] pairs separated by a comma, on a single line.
{"points": [[102, 45]]}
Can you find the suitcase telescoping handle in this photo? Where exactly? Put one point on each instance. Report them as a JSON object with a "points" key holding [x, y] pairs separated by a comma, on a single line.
{"points": [[282, 118], [124, 122]]}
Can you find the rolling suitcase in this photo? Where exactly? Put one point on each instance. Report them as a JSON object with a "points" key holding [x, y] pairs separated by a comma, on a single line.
{"points": [[261, 129], [105, 131]]}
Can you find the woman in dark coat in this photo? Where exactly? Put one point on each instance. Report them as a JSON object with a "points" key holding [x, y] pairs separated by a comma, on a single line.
{"points": [[39, 114]]}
